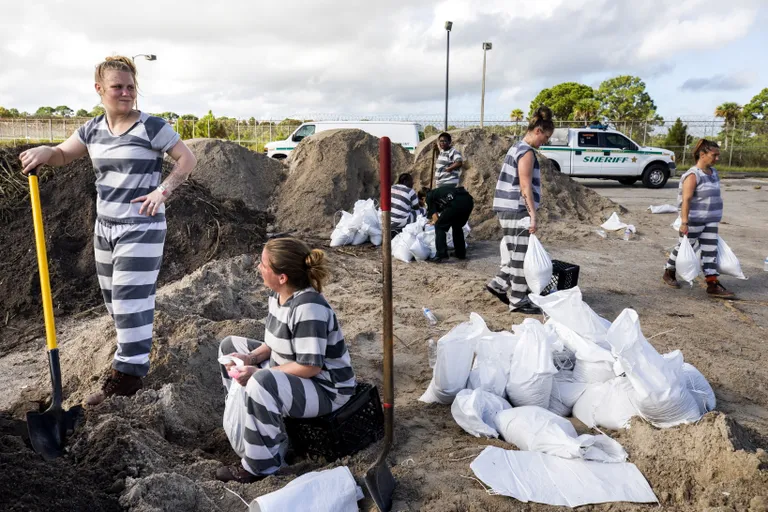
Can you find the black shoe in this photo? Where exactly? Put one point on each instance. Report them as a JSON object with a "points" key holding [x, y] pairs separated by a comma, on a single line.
{"points": [[438, 259], [501, 296], [526, 307]]}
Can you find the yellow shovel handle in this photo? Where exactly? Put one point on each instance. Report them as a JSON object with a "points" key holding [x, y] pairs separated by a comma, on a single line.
{"points": [[42, 260]]}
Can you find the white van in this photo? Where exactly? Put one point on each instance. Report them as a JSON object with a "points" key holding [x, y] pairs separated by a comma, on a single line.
{"points": [[406, 134]]}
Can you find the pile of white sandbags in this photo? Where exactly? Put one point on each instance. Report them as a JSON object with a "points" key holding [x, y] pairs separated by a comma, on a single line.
{"points": [[358, 227], [417, 241]]}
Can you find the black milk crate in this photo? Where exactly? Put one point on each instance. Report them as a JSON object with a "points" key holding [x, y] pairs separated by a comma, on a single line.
{"points": [[564, 276], [357, 424]]}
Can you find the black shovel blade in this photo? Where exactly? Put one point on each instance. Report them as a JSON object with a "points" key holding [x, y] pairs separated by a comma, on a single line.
{"points": [[48, 430], [381, 485]]}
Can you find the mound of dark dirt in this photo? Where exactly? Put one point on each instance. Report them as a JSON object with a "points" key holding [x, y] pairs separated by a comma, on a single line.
{"points": [[200, 228]]}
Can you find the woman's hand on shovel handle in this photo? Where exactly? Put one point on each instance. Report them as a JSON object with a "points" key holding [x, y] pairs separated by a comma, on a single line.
{"points": [[35, 157]]}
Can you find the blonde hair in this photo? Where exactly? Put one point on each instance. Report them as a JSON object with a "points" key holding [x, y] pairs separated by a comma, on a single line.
{"points": [[303, 266], [116, 63]]}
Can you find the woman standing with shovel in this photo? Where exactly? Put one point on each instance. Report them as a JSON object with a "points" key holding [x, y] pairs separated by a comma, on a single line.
{"points": [[127, 148]]}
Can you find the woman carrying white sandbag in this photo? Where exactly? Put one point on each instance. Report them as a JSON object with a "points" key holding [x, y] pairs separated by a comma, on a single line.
{"points": [[517, 197], [701, 209]]}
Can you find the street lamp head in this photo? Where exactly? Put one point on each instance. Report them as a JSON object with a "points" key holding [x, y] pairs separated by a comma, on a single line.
{"points": [[152, 56], [487, 46], [448, 25]]}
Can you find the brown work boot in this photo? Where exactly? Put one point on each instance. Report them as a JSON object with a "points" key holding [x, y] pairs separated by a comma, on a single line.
{"points": [[237, 473], [717, 290], [118, 383], [670, 279]]}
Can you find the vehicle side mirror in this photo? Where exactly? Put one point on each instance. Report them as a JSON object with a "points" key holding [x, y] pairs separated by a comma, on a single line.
{"points": [[633, 147]]}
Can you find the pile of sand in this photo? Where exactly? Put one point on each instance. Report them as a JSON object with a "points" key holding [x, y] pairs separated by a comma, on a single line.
{"points": [[328, 172], [231, 171], [564, 201], [201, 228]]}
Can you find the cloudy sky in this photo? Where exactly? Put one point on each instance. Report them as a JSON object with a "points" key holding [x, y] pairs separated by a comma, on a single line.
{"points": [[264, 59]]}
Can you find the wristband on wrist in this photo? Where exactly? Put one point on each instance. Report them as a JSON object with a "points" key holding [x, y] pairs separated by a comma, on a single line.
{"points": [[162, 189]]}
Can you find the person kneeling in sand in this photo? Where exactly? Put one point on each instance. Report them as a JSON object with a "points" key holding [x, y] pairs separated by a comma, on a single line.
{"points": [[302, 369]]}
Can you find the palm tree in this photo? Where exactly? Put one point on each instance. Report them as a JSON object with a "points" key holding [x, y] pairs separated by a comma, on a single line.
{"points": [[730, 111], [586, 110], [516, 116]]}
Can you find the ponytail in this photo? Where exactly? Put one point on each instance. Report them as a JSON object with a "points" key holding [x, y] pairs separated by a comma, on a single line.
{"points": [[703, 146], [542, 119]]}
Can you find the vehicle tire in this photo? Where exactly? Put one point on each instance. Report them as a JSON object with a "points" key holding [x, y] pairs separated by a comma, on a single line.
{"points": [[556, 166], [655, 176], [279, 156], [628, 181]]}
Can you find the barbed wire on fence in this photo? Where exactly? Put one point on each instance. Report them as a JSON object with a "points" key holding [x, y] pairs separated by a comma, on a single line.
{"points": [[740, 144]]}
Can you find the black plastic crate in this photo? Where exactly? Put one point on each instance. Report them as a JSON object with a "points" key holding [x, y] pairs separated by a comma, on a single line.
{"points": [[564, 276], [348, 430]]}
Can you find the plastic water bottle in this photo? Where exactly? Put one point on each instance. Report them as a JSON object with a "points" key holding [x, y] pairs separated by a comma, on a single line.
{"points": [[430, 316], [627, 234], [765, 264], [432, 352]]}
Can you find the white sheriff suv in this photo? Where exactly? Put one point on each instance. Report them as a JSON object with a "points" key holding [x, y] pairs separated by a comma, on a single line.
{"points": [[599, 152]]}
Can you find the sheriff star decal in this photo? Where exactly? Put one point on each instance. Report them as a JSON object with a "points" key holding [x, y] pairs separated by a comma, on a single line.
{"points": [[634, 159]]}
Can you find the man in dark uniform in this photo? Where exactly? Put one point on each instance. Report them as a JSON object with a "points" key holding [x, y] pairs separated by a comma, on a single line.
{"points": [[449, 207]]}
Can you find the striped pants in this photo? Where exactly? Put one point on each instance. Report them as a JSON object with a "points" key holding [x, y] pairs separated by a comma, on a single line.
{"points": [[272, 395], [128, 258], [705, 237], [514, 244]]}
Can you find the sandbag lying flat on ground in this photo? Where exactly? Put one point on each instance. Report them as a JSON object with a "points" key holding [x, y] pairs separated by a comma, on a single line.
{"points": [[727, 262], [567, 307], [608, 404], [538, 430], [493, 356], [613, 223], [542, 478], [476, 410], [537, 265], [332, 490], [663, 398], [663, 208], [532, 370], [565, 392], [455, 352]]}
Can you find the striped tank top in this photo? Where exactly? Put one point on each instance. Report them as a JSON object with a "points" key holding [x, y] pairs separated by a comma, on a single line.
{"points": [[706, 203], [507, 197]]}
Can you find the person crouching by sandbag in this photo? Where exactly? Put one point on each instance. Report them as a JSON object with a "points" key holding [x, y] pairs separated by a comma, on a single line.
{"points": [[701, 210], [308, 372], [405, 202], [449, 207]]}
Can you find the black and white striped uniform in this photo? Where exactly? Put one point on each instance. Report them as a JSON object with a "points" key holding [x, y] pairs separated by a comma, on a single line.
{"points": [[444, 159], [511, 210], [304, 330], [704, 215], [128, 247], [405, 206]]}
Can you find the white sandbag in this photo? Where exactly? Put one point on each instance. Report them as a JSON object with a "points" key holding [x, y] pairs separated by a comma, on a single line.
{"points": [[591, 372], [419, 248], [455, 352], [663, 398], [567, 308], [608, 404], [475, 411], [235, 414], [401, 247], [613, 223], [542, 478], [331, 490], [538, 430], [593, 362], [699, 387], [727, 262], [532, 371], [687, 265], [493, 356], [537, 266], [565, 392], [663, 208], [345, 230]]}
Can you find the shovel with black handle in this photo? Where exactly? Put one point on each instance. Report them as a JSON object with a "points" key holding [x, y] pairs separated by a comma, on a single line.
{"points": [[48, 430], [379, 479]]}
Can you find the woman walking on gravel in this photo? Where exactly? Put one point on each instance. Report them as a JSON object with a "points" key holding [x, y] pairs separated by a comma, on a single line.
{"points": [[701, 209], [126, 147], [518, 192]]}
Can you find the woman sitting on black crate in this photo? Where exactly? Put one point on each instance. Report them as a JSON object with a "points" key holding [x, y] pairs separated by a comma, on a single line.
{"points": [[307, 372]]}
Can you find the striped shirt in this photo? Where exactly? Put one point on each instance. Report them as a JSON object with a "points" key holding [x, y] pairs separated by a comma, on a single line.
{"points": [[507, 197], [706, 204], [445, 159], [305, 330], [127, 166], [404, 203]]}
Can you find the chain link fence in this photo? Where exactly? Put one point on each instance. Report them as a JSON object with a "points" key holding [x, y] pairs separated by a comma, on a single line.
{"points": [[744, 144]]}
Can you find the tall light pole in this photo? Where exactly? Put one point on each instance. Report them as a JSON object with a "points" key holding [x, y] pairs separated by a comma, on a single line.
{"points": [[486, 47], [448, 26], [147, 56]]}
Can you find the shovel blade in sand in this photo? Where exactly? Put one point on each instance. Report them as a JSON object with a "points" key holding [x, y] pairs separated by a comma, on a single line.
{"points": [[381, 485]]}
